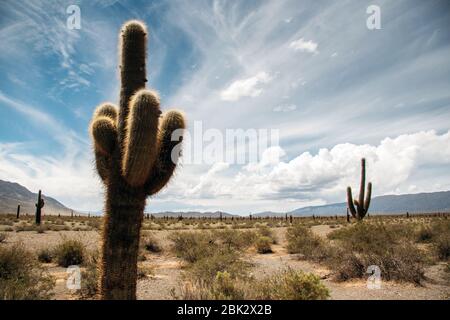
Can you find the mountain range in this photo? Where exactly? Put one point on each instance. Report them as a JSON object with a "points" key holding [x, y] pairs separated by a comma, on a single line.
{"points": [[12, 194]]}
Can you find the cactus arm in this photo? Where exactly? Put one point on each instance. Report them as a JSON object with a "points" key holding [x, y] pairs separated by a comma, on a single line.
{"points": [[363, 183], [351, 207], [104, 134], [140, 145], [106, 110], [169, 139], [132, 68], [368, 197]]}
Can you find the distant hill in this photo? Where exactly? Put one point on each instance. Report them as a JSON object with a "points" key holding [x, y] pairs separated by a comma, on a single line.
{"points": [[12, 194], [192, 214], [413, 203]]}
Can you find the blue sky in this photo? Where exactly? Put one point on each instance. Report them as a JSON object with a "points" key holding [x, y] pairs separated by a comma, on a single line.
{"points": [[334, 89]]}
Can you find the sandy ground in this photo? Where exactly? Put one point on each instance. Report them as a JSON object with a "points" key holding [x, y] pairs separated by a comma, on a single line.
{"points": [[167, 271]]}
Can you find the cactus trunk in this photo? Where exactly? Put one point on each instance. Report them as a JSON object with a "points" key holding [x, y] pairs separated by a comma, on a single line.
{"points": [[359, 208], [18, 211], [136, 155], [39, 205]]}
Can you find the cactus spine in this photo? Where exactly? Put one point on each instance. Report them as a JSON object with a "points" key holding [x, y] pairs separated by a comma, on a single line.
{"points": [[133, 152], [39, 205], [359, 208]]}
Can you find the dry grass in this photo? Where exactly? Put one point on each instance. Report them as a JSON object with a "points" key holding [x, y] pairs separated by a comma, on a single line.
{"points": [[21, 277]]}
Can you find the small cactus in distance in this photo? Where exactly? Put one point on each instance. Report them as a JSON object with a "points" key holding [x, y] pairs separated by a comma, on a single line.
{"points": [[39, 205], [18, 211], [135, 157], [359, 208]]}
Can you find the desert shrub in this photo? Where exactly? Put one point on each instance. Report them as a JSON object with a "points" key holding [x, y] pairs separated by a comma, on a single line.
{"points": [[221, 260], [45, 255], [263, 245], [234, 239], [265, 231], [365, 238], [90, 277], [69, 252], [302, 240], [192, 246], [402, 262], [424, 234], [151, 244], [442, 246], [2, 237], [20, 276], [224, 288], [290, 284]]}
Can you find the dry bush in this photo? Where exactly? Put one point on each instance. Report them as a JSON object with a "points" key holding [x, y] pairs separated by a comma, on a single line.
{"points": [[208, 253], [364, 244], [90, 277], [234, 239], [192, 246], [21, 278], [366, 238], [301, 240], [403, 262], [263, 245], [221, 260], [45, 255], [290, 284], [442, 246], [69, 252], [265, 231], [3, 237], [151, 244], [284, 285]]}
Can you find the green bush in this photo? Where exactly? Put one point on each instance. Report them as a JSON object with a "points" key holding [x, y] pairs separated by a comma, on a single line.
{"points": [[263, 246], [21, 278], [69, 252]]}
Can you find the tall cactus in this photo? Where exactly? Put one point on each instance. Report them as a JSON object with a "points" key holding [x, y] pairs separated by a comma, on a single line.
{"points": [[39, 205], [18, 211], [133, 153], [362, 206]]}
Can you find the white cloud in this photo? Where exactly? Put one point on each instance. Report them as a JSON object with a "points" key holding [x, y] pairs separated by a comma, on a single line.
{"points": [[285, 108], [324, 176], [304, 46], [249, 87]]}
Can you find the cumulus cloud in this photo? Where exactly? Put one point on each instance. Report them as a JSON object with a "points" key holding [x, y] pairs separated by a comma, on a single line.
{"points": [[304, 46], [324, 176], [249, 87]]}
